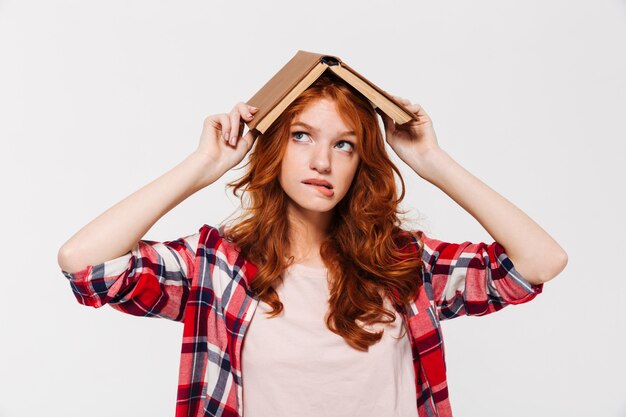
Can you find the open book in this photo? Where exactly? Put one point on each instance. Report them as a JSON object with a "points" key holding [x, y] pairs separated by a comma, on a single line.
{"points": [[302, 71]]}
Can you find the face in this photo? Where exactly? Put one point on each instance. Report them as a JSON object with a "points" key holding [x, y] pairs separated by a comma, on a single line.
{"points": [[320, 149]]}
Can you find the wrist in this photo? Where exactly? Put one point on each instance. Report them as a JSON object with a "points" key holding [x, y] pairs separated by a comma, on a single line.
{"points": [[207, 169], [430, 163]]}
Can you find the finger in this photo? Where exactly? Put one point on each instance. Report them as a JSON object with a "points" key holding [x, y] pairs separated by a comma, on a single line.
{"points": [[252, 109], [234, 126], [245, 110], [402, 100], [225, 124], [240, 112], [414, 105], [415, 108], [211, 122], [419, 111]]}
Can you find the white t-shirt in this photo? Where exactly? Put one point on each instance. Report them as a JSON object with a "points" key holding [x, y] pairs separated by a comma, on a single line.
{"points": [[293, 365]]}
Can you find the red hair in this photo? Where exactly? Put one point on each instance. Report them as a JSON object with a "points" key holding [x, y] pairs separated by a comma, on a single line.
{"points": [[367, 254]]}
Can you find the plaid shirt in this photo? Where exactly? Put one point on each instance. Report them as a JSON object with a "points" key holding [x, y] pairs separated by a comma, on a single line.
{"points": [[202, 281]]}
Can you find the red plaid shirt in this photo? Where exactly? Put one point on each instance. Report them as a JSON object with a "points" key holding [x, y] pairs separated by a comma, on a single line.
{"points": [[203, 282]]}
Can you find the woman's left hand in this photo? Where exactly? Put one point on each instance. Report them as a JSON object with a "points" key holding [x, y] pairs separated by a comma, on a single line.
{"points": [[412, 140]]}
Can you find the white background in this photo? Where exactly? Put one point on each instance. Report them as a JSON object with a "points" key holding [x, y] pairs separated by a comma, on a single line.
{"points": [[97, 99]]}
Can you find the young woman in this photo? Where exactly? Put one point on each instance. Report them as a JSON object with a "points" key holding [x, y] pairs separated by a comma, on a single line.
{"points": [[349, 302]]}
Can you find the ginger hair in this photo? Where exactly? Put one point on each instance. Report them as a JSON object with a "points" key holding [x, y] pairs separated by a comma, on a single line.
{"points": [[367, 254]]}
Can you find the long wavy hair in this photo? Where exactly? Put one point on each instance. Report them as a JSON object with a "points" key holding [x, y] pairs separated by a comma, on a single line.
{"points": [[367, 254]]}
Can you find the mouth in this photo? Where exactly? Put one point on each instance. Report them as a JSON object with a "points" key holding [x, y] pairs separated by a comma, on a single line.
{"points": [[323, 189], [318, 185], [318, 181]]}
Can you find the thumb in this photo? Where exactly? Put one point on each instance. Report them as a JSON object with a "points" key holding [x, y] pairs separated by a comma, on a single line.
{"points": [[249, 138]]}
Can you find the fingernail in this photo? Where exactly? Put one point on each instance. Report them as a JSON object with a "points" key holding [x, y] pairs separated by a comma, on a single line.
{"points": [[226, 136], [233, 140], [253, 108], [248, 115]]}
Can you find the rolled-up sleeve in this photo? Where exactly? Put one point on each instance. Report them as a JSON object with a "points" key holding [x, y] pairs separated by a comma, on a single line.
{"points": [[472, 278], [151, 280]]}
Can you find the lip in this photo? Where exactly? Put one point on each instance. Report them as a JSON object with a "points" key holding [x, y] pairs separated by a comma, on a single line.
{"points": [[326, 192], [318, 181]]}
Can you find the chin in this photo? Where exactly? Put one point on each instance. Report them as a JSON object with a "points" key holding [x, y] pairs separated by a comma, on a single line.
{"points": [[313, 204], [320, 207]]}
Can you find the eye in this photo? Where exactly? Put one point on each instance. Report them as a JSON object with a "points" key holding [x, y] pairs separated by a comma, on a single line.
{"points": [[350, 145], [297, 137]]}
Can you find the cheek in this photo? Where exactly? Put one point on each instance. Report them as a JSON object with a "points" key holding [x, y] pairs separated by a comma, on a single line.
{"points": [[292, 162], [351, 173], [287, 167], [289, 170]]}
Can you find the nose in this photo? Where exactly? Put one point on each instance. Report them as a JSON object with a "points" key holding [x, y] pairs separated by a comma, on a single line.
{"points": [[320, 159]]}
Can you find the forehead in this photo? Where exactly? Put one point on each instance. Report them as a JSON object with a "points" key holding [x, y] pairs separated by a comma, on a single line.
{"points": [[322, 114]]}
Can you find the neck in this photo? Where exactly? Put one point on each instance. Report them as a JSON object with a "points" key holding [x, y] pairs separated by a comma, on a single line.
{"points": [[307, 231]]}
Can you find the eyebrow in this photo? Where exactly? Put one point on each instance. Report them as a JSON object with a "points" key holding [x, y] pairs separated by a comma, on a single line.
{"points": [[346, 133]]}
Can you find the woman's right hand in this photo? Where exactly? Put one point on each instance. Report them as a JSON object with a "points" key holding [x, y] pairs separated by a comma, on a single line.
{"points": [[221, 141]]}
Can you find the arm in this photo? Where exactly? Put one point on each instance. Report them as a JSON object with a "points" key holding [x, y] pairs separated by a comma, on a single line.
{"points": [[152, 280], [471, 279], [106, 263], [536, 255], [117, 230]]}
